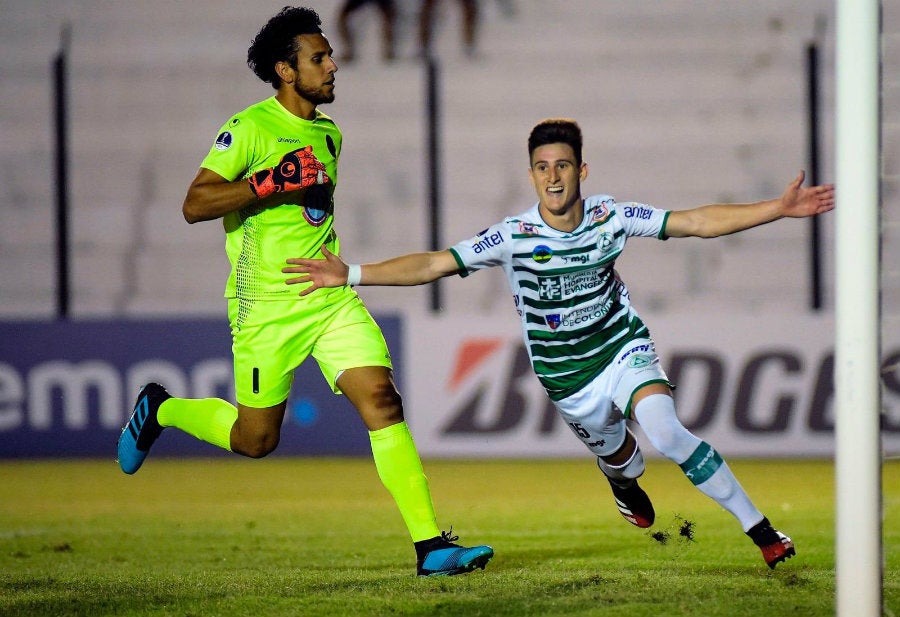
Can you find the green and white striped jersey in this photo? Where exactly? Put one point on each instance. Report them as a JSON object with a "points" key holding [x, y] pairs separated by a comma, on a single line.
{"points": [[575, 311]]}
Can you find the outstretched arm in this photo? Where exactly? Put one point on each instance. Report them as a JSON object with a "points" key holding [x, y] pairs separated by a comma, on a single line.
{"points": [[411, 269], [722, 219]]}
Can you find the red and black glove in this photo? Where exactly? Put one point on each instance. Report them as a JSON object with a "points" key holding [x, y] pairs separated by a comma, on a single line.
{"points": [[296, 170]]}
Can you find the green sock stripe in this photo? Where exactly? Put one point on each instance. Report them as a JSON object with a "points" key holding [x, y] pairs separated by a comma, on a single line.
{"points": [[702, 464]]}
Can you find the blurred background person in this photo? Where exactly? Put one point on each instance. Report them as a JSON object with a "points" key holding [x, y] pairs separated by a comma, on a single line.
{"points": [[469, 26], [349, 9]]}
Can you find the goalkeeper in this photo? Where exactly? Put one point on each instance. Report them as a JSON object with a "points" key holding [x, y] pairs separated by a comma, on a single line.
{"points": [[601, 368], [270, 177]]}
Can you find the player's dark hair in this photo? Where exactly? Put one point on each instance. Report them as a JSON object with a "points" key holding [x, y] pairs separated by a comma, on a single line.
{"points": [[556, 131], [277, 41]]}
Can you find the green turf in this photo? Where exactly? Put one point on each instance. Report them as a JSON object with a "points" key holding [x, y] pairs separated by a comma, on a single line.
{"points": [[321, 537]]}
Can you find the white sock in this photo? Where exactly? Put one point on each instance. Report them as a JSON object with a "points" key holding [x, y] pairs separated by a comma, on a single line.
{"points": [[698, 460]]}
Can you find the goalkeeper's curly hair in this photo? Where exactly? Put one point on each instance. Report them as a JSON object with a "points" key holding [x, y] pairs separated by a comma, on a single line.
{"points": [[277, 41]]}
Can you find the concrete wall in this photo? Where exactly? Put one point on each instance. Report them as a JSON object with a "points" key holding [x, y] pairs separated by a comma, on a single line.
{"points": [[682, 103]]}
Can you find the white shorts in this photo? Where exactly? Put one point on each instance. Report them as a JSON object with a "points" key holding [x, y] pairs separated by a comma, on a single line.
{"points": [[597, 412]]}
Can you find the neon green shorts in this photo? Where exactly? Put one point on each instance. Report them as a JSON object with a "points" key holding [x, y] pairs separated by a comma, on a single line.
{"points": [[274, 337]]}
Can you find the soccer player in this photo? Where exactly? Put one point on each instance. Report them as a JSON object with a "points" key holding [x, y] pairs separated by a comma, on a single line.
{"points": [[270, 176], [601, 368]]}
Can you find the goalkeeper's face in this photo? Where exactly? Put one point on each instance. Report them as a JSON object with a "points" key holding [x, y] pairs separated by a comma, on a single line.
{"points": [[315, 68]]}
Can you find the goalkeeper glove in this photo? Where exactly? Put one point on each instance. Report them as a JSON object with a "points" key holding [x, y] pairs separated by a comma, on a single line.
{"points": [[296, 170]]}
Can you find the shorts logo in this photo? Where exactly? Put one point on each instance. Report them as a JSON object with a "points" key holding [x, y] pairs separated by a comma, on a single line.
{"points": [[542, 253], [553, 320], [223, 141]]}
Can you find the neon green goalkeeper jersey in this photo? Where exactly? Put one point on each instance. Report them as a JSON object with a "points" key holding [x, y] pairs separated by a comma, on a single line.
{"points": [[259, 240]]}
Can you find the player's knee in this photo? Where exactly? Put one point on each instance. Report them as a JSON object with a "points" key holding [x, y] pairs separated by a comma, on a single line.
{"points": [[383, 406], [656, 415], [256, 444], [674, 442], [263, 448]]}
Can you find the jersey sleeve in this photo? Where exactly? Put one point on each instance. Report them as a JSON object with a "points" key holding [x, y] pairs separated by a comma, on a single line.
{"points": [[643, 220], [489, 248], [231, 155]]}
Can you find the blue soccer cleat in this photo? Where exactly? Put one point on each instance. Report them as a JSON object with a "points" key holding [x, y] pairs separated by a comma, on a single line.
{"points": [[142, 428], [441, 557]]}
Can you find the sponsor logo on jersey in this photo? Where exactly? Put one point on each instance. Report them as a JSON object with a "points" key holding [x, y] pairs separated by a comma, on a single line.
{"points": [[549, 288], [553, 320], [223, 141], [587, 314], [487, 241], [528, 229], [542, 253], [583, 258], [558, 287], [636, 349], [289, 140], [638, 212], [234, 122]]}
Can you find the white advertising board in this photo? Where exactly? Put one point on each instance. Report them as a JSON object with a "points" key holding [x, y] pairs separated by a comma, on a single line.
{"points": [[755, 386]]}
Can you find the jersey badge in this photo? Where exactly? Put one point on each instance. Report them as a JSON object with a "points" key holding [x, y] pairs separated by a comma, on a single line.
{"points": [[601, 212], [553, 320], [527, 229], [223, 141], [639, 361], [605, 241], [317, 205]]}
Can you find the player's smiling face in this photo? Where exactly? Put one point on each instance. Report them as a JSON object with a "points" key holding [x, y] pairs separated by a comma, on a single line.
{"points": [[556, 178], [316, 69]]}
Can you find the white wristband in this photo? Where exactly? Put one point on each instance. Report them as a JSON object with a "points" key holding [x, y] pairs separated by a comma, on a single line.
{"points": [[354, 274]]}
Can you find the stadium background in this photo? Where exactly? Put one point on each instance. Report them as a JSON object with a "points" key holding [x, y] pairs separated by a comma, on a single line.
{"points": [[681, 103]]}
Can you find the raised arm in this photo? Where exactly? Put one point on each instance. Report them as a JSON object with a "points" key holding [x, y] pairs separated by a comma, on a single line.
{"points": [[721, 219], [411, 269]]}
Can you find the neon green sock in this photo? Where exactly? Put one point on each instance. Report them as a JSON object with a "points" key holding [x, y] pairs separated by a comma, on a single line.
{"points": [[208, 419], [400, 470]]}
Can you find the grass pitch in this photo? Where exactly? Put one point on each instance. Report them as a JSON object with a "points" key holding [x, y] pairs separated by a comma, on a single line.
{"points": [[317, 537]]}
